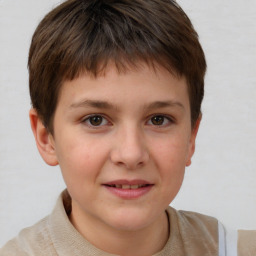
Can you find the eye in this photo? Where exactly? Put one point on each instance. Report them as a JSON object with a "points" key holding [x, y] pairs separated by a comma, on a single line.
{"points": [[95, 120], [159, 120]]}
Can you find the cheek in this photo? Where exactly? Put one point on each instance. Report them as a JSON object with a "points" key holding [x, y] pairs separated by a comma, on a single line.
{"points": [[171, 153], [81, 158], [170, 157], [171, 166]]}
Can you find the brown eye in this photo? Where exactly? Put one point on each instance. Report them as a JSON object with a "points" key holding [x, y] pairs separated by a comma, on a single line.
{"points": [[95, 120], [158, 120]]}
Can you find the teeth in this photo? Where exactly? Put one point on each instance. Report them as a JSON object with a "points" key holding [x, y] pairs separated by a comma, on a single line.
{"points": [[126, 186]]}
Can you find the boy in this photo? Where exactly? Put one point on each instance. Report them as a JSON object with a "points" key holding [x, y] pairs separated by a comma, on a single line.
{"points": [[116, 90]]}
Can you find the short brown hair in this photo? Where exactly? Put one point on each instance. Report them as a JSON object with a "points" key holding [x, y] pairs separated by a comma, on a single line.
{"points": [[85, 35]]}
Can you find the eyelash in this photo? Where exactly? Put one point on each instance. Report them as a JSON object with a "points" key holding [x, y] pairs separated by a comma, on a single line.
{"points": [[166, 118], [87, 120]]}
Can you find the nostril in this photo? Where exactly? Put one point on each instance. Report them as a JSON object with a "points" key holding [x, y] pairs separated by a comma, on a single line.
{"points": [[129, 153]]}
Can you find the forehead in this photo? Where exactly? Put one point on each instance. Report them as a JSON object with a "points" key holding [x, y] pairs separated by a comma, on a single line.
{"points": [[143, 84], [109, 70]]}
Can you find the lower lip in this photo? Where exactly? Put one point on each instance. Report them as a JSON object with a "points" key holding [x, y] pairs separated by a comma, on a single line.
{"points": [[129, 193]]}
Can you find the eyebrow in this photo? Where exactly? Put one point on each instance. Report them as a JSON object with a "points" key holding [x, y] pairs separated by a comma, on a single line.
{"points": [[93, 103], [107, 105], [164, 104]]}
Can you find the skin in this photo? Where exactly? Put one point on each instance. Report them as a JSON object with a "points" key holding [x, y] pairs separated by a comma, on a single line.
{"points": [[127, 143]]}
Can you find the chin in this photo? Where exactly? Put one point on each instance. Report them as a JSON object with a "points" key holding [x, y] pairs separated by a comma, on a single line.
{"points": [[131, 219]]}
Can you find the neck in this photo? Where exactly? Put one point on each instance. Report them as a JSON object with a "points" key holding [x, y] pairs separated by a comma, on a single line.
{"points": [[142, 242]]}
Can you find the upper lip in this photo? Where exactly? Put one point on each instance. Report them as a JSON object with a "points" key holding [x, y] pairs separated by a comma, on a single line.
{"points": [[128, 182]]}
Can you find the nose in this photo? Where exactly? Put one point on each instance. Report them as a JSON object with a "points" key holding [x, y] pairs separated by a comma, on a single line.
{"points": [[130, 149]]}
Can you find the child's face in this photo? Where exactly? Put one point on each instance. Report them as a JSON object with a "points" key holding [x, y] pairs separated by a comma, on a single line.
{"points": [[120, 131]]}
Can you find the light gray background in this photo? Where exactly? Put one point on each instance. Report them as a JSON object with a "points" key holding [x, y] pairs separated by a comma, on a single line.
{"points": [[221, 181]]}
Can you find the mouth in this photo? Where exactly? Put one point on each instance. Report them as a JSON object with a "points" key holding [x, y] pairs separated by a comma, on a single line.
{"points": [[129, 189], [127, 186]]}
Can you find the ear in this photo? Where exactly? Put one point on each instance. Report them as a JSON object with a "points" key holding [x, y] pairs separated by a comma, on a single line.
{"points": [[44, 139], [192, 142]]}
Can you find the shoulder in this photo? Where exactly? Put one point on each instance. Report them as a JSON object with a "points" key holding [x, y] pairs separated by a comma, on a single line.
{"points": [[211, 232], [197, 222], [40, 239], [196, 233], [34, 240]]}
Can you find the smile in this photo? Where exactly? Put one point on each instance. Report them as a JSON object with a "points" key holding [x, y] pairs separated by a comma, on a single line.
{"points": [[129, 189], [126, 186]]}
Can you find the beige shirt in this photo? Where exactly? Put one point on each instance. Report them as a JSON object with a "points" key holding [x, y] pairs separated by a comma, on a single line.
{"points": [[191, 234]]}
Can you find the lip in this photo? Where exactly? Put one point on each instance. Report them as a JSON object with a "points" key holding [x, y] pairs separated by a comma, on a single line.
{"points": [[129, 193], [128, 182]]}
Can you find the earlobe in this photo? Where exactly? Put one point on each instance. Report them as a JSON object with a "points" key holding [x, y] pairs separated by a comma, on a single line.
{"points": [[44, 139], [192, 143]]}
